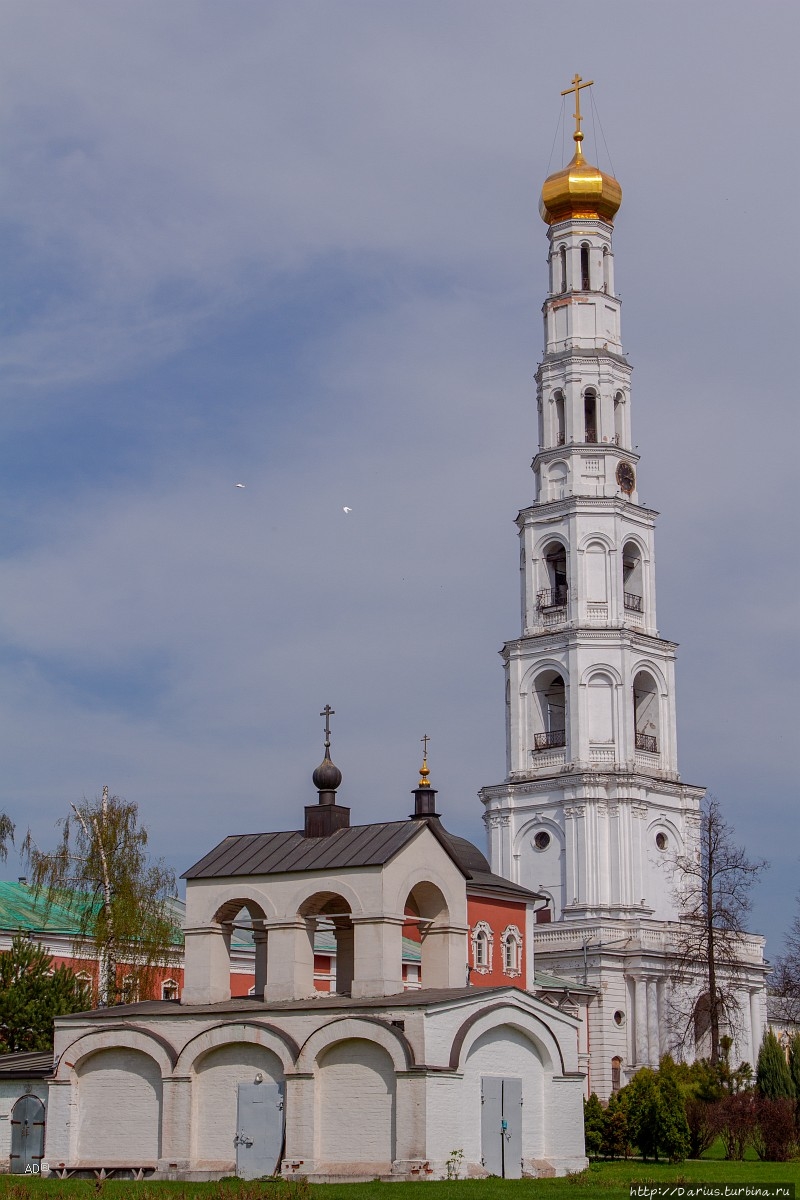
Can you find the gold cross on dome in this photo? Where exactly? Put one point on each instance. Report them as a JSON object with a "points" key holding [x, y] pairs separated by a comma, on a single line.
{"points": [[577, 86]]}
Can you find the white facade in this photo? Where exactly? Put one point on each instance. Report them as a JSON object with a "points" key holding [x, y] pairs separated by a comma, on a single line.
{"points": [[593, 812]]}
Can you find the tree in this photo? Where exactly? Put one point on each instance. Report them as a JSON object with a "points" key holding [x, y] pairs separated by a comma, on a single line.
{"points": [[593, 1125], [714, 882], [615, 1143], [31, 996], [773, 1078], [101, 871]]}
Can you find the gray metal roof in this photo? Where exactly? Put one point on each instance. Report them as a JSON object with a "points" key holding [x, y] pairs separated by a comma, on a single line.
{"points": [[417, 998], [26, 1064], [279, 853]]}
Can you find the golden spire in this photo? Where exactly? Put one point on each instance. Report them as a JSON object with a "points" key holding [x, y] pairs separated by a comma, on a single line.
{"points": [[580, 191], [577, 86], [424, 772]]}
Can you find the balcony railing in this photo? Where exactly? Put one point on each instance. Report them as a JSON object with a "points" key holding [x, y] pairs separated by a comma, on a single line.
{"points": [[553, 597], [632, 601], [591, 436], [646, 741], [551, 740]]}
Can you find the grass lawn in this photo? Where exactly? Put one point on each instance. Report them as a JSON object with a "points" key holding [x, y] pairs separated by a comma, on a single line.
{"points": [[602, 1179]]}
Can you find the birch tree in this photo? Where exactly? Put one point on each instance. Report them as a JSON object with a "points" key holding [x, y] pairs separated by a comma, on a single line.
{"points": [[101, 872], [714, 882]]}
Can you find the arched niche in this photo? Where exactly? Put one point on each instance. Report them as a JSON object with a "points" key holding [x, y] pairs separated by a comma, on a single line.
{"points": [[600, 708], [595, 560], [216, 1075], [119, 1099], [356, 1105]]}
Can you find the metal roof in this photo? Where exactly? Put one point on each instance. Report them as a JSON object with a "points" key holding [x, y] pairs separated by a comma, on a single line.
{"points": [[280, 853], [26, 1064]]}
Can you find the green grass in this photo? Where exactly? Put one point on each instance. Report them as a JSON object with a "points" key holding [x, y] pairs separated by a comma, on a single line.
{"points": [[602, 1179]]}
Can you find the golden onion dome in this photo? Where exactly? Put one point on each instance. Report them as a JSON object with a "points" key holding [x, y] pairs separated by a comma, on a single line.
{"points": [[580, 190]]}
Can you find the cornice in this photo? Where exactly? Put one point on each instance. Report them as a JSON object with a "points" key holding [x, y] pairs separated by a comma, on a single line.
{"points": [[620, 777], [571, 504], [573, 635], [578, 354]]}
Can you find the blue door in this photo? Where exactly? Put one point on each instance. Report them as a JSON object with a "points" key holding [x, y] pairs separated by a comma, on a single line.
{"points": [[259, 1129], [501, 1126], [27, 1136]]}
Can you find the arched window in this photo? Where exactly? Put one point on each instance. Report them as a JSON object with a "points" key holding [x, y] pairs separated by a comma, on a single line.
{"points": [[563, 257], [632, 580], [645, 712], [606, 270], [554, 593], [169, 989], [482, 947], [512, 951], [585, 279], [590, 415], [560, 425], [550, 712], [616, 1073]]}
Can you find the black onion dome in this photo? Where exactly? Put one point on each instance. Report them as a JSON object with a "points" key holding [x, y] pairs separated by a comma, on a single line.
{"points": [[467, 854], [327, 777]]}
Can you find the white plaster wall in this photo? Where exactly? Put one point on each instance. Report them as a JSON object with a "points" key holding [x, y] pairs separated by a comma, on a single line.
{"points": [[355, 1115], [215, 1082], [119, 1107]]}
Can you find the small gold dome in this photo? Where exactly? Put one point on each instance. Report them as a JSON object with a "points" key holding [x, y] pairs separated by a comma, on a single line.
{"points": [[580, 190]]}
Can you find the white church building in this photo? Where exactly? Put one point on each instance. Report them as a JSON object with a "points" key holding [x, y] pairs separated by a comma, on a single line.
{"points": [[371, 1080], [593, 812]]}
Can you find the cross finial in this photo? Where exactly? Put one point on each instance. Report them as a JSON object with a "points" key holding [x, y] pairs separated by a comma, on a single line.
{"points": [[577, 86], [327, 713], [424, 771]]}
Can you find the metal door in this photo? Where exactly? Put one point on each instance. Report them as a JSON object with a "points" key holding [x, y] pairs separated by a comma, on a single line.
{"points": [[27, 1136], [501, 1126], [259, 1129]]}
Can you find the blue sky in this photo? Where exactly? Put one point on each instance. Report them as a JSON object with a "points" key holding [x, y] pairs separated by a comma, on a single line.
{"points": [[297, 246]]}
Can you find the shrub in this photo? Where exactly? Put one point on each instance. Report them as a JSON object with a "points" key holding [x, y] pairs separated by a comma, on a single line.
{"points": [[615, 1143], [593, 1120], [774, 1134], [737, 1120], [773, 1079]]}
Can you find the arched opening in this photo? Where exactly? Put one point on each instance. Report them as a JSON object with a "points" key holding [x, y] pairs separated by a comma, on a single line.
{"points": [[328, 915], [562, 254], [356, 1106], [646, 712], [554, 592], [561, 428], [590, 415], [616, 1073], [632, 578], [27, 1136], [619, 418], [427, 914], [549, 712], [119, 1107], [606, 270], [242, 924], [585, 276]]}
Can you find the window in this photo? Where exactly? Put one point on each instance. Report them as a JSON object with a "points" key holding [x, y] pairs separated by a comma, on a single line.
{"points": [[616, 1073], [482, 946], [512, 951], [563, 256], [585, 282], [590, 416], [169, 990], [542, 840]]}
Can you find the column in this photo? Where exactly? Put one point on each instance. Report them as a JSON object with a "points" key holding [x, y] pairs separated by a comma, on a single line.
{"points": [[640, 1016], [290, 962], [444, 956], [207, 970], [378, 958], [755, 1026], [652, 1021], [260, 939]]}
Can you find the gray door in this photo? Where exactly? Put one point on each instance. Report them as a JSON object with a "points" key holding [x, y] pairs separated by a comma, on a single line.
{"points": [[27, 1136], [259, 1129], [501, 1126]]}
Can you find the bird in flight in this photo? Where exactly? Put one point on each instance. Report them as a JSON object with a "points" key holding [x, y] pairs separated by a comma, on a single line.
{"points": [[241, 485], [346, 509]]}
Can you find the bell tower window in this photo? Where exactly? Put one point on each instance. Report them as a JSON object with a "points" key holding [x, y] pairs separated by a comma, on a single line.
{"points": [[645, 712], [554, 594], [590, 416], [550, 712], [632, 592], [562, 254], [561, 429], [585, 280]]}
